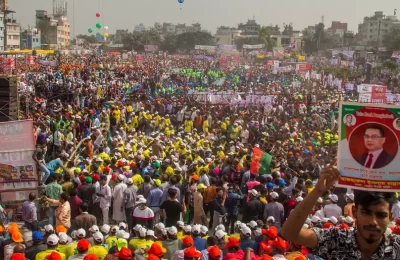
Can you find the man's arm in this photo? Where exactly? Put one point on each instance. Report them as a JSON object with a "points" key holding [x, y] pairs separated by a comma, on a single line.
{"points": [[292, 229]]}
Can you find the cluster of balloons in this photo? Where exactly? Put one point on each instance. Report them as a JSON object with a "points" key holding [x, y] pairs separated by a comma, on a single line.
{"points": [[99, 25], [181, 1]]}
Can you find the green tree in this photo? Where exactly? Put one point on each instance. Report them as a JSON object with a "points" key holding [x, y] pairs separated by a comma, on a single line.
{"points": [[137, 40], [187, 41], [265, 37], [240, 41], [169, 43], [87, 38], [392, 40]]}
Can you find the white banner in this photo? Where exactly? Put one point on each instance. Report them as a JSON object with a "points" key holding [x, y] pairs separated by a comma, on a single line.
{"points": [[256, 46], [205, 47]]}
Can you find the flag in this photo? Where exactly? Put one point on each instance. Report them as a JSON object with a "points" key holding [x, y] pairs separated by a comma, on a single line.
{"points": [[261, 162]]}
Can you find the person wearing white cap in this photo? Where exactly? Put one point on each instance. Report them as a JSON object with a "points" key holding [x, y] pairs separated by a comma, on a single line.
{"points": [[129, 202], [333, 210], [274, 209], [63, 246], [118, 199], [143, 215], [140, 241], [98, 249], [52, 243], [246, 241], [172, 244], [199, 242], [158, 229], [220, 236], [187, 230], [105, 198], [348, 209], [180, 225]]}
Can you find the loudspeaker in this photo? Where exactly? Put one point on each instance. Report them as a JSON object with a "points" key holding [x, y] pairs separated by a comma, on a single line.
{"points": [[8, 98]]}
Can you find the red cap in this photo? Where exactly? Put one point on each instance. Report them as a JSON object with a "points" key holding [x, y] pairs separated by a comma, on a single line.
{"points": [[106, 169], [195, 177], [279, 243], [53, 256], [264, 257], [328, 225], [152, 257], [192, 252], [120, 164], [214, 252], [344, 226], [232, 242], [95, 177], [17, 256], [124, 253], [90, 257], [271, 232], [398, 221], [157, 249], [396, 230], [132, 165], [82, 178], [264, 246], [83, 245], [187, 240]]}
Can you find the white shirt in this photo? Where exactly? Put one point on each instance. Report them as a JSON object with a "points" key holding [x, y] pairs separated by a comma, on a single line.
{"points": [[396, 211], [106, 200], [332, 210], [375, 156]]}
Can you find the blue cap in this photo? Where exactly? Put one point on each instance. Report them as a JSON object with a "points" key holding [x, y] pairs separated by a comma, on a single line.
{"points": [[37, 235], [270, 185], [281, 182]]}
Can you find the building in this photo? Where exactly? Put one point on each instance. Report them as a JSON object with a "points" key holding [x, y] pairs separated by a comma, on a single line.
{"points": [[2, 31], [30, 39], [374, 28], [139, 28], [13, 34], [249, 29], [338, 28], [55, 29], [227, 35]]}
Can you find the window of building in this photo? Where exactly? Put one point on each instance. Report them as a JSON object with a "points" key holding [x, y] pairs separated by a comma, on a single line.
{"points": [[9, 37], [1, 19]]}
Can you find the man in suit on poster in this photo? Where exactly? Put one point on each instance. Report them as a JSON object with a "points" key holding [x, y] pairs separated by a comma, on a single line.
{"points": [[377, 157]]}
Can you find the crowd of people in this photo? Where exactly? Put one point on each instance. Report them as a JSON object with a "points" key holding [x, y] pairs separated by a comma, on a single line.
{"points": [[132, 165]]}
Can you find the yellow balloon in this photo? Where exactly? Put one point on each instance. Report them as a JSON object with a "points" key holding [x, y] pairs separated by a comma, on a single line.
{"points": [[105, 35]]}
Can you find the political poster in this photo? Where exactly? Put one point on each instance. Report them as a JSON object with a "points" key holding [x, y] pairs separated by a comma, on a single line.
{"points": [[368, 152], [223, 62], [369, 93], [228, 47], [278, 52]]}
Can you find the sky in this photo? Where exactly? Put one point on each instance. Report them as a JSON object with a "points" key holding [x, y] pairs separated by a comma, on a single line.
{"points": [[125, 14]]}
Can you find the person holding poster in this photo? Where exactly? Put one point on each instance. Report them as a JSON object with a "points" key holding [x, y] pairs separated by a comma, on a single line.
{"points": [[368, 151]]}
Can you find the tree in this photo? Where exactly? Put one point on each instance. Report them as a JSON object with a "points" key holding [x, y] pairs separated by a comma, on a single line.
{"points": [[169, 43], [87, 38], [45, 32], [265, 37], [186, 41], [137, 40], [392, 40]]}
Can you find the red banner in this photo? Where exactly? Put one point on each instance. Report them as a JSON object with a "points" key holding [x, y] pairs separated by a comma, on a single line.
{"points": [[223, 62], [378, 94]]}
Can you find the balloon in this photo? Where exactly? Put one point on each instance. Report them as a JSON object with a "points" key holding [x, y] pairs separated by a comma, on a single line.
{"points": [[90, 30], [106, 27], [105, 35], [98, 25], [181, 1], [97, 14]]}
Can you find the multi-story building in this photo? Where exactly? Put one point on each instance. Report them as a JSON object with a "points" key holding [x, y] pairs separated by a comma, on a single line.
{"points": [[139, 28], [227, 35], [55, 29], [338, 28], [2, 31], [374, 28], [13, 34], [251, 28], [30, 39]]}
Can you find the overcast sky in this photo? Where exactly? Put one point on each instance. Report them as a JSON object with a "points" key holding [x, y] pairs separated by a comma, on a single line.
{"points": [[125, 14]]}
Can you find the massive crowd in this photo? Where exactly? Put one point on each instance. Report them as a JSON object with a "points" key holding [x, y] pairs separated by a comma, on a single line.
{"points": [[133, 165]]}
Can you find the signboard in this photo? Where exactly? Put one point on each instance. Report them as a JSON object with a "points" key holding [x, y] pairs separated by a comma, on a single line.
{"points": [[257, 46], [368, 152], [227, 47], [150, 48], [303, 67], [223, 62], [205, 47], [369, 93], [278, 52], [139, 58], [16, 150]]}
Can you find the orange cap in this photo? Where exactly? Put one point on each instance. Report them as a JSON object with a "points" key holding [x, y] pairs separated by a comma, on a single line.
{"points": [[61, 228], [17, 237], [214, 252], [53, 256], [157, 249], [192, 252], [187, 240], [232, 242]]}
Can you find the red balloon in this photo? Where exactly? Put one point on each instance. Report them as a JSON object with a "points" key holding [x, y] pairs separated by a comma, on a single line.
{"points": [[97, 14]]}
